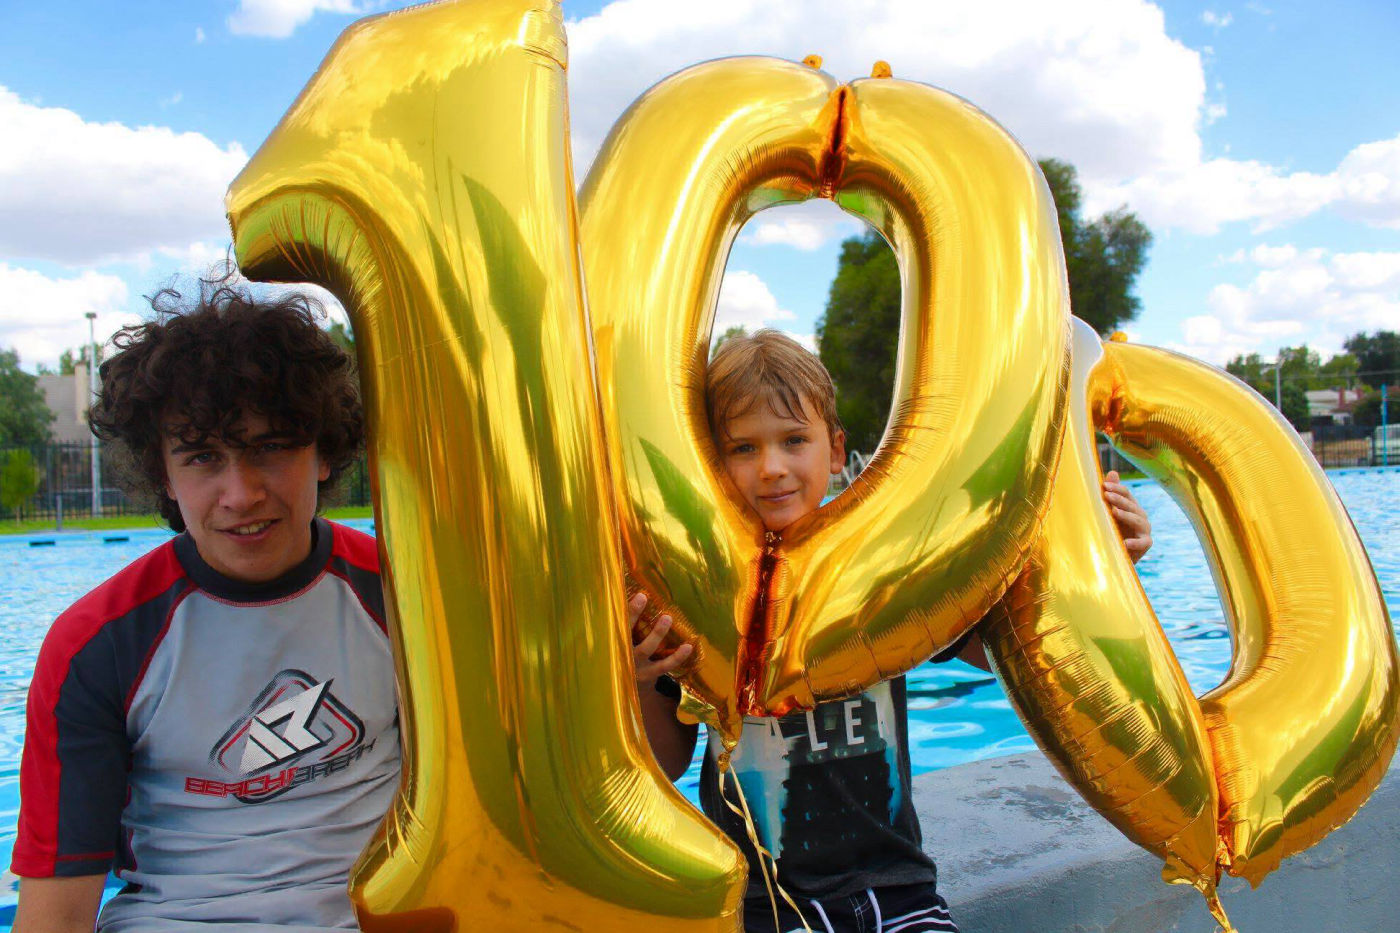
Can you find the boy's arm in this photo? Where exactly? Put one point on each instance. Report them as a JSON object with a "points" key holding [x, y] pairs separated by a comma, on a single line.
{"points": [[59, 905], [73, 779], [672, 741], [1133, 524]]}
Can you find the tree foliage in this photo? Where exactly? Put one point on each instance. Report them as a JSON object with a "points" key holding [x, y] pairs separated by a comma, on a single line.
{"points": [[1377, 356], [1102, 257], [733, 330], [24, 415], [19, 479], [1291, 386], [857, 335]]}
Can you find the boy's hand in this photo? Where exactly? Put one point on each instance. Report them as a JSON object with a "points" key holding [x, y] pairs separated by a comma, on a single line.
{"points": [[1129, 515], [645, 664]]}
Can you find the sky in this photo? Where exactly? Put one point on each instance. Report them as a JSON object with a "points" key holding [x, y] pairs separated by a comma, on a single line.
{"points": [[1259, 141]]}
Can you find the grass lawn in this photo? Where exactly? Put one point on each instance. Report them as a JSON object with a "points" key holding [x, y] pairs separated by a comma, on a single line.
{"points": [[115, 522]]}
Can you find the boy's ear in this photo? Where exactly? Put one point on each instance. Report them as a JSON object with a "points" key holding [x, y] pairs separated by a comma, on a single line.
{"points": [[838, 452]]}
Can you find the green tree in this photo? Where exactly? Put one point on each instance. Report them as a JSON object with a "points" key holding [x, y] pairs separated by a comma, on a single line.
{"points": [[733, 330], [1339, 372], [1103, 257], [1367, 410], [24, 416], [1377, 356], [1299, 365], [69, 361], [19, 479], [857, 334], [856, 337]]}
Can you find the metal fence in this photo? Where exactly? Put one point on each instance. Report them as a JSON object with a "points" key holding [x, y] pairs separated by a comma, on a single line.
{"points": [[65, 473]]}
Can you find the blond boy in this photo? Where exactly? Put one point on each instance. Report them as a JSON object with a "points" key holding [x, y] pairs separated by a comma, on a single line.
{"points": [[829, 789]]}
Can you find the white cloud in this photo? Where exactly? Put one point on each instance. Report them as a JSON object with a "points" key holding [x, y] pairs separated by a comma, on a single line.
{"points": [[79, 193], [1096, 82], [1296, 296], [745, 300], [807, 226], [41, 316], [198, 35], [1369, 177], [807, 340], [278, 19], [799, 234], [1200, 198], [172, 100]]}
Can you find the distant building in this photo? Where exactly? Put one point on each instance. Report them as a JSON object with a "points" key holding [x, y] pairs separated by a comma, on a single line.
{"points": [[1332, 406], [67, 398]]}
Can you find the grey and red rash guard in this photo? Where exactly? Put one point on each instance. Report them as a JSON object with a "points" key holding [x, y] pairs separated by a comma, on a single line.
{"points": [[227, 749]]}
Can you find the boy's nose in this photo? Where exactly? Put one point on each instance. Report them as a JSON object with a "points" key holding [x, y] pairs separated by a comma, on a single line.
{"points": [[243, 487], [772, 464]]}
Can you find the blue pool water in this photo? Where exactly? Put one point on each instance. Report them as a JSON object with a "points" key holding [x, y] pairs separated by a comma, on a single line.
{"points": [[956, 712]]}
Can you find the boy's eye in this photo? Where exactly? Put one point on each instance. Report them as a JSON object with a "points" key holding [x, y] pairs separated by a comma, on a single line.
{"points": [[796, 439], [741, 449], [199, 458]]}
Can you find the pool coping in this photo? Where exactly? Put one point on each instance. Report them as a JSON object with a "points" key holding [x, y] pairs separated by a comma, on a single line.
{"points": [[1018, 849]]}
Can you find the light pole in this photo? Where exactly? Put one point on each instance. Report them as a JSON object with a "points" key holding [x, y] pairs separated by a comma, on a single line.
{"points": [[1278, 388], [92, 397]]}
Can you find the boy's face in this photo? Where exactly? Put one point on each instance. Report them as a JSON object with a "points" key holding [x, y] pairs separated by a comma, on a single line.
{"points": [[248, 508], [781, 465]]}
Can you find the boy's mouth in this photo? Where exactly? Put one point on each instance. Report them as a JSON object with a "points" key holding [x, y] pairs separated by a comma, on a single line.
{"points": [[778, 498], [250, 530]]}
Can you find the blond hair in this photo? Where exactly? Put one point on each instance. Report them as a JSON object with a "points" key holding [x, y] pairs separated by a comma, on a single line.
{"points": [[771, 368]]}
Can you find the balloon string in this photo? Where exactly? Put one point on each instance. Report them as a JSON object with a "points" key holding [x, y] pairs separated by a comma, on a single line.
{"points": [[764, 856], [1217, 910]]}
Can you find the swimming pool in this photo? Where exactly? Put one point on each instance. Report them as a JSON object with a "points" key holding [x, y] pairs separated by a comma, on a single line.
{"points": [[956, 712]]}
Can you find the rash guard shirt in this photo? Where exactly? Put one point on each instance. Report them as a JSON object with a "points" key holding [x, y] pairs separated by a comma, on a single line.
{"points": [[226, 748]]}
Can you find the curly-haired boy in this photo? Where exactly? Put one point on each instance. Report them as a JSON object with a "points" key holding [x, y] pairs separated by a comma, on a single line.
{"points": [[217, 723]]}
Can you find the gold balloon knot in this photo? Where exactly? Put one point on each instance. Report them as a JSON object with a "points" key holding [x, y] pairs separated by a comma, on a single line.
{"points": [[812, 61], [1118, 337], [881, 69]]}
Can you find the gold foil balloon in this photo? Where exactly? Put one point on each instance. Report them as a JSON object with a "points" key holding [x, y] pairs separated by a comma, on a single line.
{"points": [[1305, 724], [1090, 672], [423, 176], [934, 530]]}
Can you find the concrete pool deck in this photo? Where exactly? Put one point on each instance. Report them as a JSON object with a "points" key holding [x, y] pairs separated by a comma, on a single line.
{"points": [[1018, 851]]}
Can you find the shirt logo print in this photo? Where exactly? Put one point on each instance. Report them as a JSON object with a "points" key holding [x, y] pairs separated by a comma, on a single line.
{"points": [[265, 747], [295, 732]]}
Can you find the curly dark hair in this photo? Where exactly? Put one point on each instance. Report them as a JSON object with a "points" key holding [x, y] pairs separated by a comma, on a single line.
{"points": [[201, 363]]}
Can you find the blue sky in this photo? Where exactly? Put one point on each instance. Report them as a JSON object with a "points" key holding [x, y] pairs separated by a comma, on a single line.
{"points": [[1260, 141]]}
